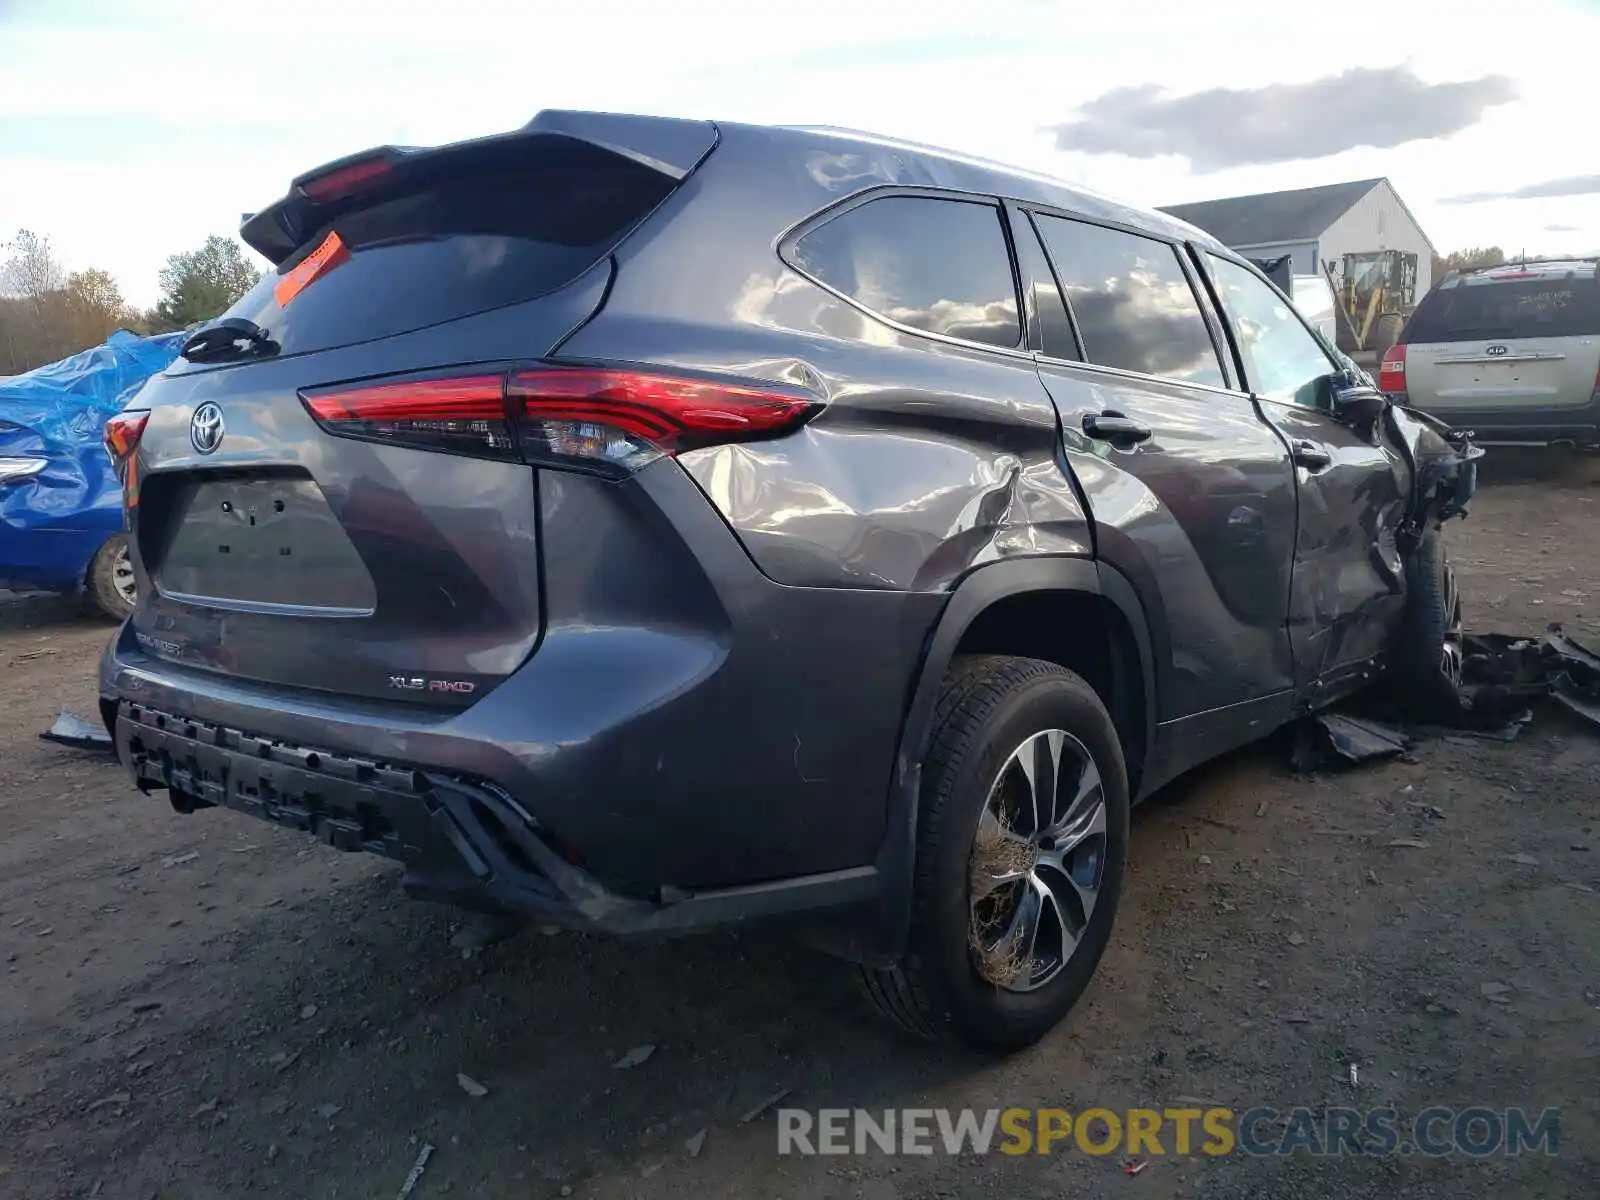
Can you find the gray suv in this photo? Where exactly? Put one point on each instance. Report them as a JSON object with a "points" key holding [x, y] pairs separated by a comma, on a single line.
{"points": [[1512, 352], [645, 525]]}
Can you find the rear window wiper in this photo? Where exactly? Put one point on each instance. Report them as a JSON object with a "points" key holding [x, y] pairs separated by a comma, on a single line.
{"points": [[228, 338]]}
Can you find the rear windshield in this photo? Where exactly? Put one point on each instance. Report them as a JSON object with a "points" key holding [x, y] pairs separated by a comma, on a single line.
{"points": [[452, 247], [1526, 308]]}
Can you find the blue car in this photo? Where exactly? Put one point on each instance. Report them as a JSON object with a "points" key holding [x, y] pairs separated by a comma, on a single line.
{"points": [[60, 498]]}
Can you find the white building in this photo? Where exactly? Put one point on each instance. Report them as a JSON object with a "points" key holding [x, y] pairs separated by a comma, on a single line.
{"points": [[1316, 225]]}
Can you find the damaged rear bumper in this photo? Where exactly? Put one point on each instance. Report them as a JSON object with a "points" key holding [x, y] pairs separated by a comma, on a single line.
{"points": [[463, 841]]}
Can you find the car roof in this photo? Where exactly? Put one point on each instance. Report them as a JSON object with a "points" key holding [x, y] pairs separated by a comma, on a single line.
{"points": [[1543, 269], [908, 163], [863, 160]]}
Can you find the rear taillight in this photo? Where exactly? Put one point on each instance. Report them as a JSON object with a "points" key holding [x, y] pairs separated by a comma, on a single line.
{"points": [[1392, 371], [122, 435], [613, 419]]}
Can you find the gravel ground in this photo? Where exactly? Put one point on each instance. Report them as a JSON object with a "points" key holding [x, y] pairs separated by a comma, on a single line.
{"points": [[206, 1006]]}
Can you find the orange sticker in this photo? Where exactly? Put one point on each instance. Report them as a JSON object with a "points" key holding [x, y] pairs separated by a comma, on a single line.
{"points": [[318, 263]]}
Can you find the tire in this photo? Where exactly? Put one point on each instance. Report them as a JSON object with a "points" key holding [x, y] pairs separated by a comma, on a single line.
{"points": [[1385, 333], [1430, 656], [111, 579], [960, 980]]}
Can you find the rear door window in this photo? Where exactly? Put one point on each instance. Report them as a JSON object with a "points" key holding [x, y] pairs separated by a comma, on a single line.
{"points": [[940, 266], [1132, 302], [456, 245], [1471, 310]]}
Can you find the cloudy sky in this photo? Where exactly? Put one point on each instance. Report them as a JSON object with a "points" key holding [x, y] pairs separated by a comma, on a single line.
{"points": [[133, 128]]}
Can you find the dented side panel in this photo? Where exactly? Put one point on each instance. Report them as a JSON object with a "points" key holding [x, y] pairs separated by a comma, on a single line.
{"points": [[1349, 591], [1200, 517], [929, 466]]}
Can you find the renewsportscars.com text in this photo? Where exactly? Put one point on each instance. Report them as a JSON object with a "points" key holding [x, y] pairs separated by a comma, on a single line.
{"points": [[1476, 1131]]}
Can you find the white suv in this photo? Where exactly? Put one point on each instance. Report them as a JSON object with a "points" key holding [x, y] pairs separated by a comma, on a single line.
{"points": [[1510, 352]]}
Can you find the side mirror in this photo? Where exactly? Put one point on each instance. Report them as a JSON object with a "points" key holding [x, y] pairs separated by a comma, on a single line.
{"points": [[1354, 401]]}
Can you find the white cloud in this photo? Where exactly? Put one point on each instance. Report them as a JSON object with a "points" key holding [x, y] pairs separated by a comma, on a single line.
{"points": [[214, 108]]}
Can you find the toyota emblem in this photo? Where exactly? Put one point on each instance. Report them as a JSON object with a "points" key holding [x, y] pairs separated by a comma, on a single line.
{"points": [[206, 428], [1495, 351]]}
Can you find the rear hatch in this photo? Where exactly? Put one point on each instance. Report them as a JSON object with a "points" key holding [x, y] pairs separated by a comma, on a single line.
{"points": [[289, 530], [1504, 339]]}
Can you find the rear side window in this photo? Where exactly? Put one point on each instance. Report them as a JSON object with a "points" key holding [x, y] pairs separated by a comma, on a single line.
{"points": [[1133, 304], [453, 246], [1470, 311], [940, 266]]}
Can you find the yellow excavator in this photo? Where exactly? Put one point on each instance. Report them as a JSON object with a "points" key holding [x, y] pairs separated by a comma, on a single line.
{"points": [[1377, 291]]}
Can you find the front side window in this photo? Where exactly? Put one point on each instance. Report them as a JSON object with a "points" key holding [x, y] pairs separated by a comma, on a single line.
{"points": [[1284, 360], [940, 266], [1133, 303]]}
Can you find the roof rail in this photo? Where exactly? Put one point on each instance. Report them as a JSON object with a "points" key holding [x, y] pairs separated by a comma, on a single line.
{"points": [[1535, 262]]}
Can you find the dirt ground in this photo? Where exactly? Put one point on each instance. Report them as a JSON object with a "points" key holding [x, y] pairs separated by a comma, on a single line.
{"points": [[206, 1006]]}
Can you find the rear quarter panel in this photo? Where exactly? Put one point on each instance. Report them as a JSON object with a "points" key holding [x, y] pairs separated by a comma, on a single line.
{"points": [[931, 458]]}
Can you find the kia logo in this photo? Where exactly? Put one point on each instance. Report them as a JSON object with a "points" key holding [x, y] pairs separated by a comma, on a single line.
{"points": [[1495, 351], [206, 428]]}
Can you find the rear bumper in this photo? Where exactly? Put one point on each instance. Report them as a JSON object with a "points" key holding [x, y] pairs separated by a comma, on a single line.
{"points": [[1523, 425], [679, 752], [463, 841]]}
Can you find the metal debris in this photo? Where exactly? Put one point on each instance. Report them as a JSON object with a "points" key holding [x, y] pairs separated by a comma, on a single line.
{"points": [[177, 860], [762, 1107], [695, 1144], [329, 1111], [415, 1173], [1409, 843], [633, 1057], [120, 1099], [1350, 738], [471, 1086], [72, 730]]}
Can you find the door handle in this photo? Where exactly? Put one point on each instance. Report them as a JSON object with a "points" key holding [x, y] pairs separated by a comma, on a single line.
{"points": [[1310, 456], [1114, 427]]}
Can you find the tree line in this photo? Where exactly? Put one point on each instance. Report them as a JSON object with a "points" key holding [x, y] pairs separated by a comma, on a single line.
{"points": [[48, 312]]}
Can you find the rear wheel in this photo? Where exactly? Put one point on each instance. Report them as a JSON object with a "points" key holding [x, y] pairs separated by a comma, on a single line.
{"points": [[1021, 843], [112, 584]]}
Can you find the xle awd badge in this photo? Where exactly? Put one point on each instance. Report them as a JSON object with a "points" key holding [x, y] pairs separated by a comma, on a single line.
{"points": [[206, 428], [416, 683]]}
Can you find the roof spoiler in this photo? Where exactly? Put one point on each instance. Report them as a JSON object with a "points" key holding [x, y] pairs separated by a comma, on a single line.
{"points": [[666, 145]]}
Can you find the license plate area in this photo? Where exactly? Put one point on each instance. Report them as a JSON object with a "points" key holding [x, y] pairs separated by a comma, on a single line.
{"points": [[270, 543]]}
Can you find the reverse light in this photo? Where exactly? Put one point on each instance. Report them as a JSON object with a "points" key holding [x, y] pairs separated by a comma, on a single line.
{"points": [[610, 419], [1392, 371]]}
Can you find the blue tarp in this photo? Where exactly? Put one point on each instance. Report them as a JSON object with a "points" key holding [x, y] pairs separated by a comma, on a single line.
{"points": [[52, 524]]}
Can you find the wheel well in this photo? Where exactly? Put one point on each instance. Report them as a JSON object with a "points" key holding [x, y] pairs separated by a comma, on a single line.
{"points": [[1085, 633]]}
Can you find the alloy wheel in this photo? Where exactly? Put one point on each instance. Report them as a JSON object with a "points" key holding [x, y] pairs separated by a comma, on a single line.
{"points": [[123, 578], [1038, 861], [1452, 652]]}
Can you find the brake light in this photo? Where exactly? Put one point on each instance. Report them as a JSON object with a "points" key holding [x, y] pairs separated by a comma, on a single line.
{"points": [[606, 418], [346, 180], [1392, 371], [122, 435]]}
